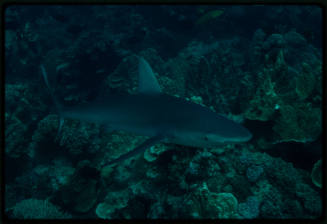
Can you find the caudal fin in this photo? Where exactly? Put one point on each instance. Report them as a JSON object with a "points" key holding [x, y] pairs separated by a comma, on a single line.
{"points": [[54, 99]]}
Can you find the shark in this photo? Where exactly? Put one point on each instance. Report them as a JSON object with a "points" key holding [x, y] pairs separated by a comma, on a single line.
{"points": [[161, 117]]}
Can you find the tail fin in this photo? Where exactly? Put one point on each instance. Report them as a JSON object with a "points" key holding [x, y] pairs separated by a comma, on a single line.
{"points": [[54, 99]]}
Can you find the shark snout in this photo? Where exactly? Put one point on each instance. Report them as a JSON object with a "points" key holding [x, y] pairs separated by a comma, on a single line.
{"points": [[246, 135]]}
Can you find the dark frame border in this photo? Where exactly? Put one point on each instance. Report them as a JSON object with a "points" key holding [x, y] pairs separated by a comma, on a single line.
{"points": [[320, 3]]}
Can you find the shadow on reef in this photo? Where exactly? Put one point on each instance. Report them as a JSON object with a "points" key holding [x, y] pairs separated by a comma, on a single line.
{"points": [[301, 155]]}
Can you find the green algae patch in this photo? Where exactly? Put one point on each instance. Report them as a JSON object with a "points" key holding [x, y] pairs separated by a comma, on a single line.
{"points": [[211, 15]]}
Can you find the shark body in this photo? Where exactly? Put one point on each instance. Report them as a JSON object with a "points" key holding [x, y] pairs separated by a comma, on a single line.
{"points": [[160, 116]]}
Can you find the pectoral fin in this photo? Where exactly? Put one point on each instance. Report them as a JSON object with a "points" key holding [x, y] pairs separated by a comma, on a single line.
{"points": [[141, 148]]}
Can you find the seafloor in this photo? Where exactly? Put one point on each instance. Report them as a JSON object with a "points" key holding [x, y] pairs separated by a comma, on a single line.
{"points": [[258, 65]]}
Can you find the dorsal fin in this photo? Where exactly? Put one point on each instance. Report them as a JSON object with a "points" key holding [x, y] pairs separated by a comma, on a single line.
{"points": [[147, 80]]}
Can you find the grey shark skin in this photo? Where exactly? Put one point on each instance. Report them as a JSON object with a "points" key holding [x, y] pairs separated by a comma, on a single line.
{"points": [[160, 116]]}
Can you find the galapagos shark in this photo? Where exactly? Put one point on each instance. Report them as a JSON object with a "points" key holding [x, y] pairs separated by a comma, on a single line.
{"points": [[162, 117]]}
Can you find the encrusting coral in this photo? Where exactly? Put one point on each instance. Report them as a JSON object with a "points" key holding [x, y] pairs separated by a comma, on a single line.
{"points": [[316, 174]]}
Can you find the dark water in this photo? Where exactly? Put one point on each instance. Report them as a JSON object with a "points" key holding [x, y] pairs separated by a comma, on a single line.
{"points": [[261, 66]]}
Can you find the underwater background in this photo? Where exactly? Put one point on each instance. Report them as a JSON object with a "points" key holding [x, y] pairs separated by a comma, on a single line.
{"points": [[258, 65]]}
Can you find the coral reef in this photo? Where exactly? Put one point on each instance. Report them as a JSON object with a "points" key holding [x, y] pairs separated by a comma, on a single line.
{"points": [[80, 192], [250, 208], [287, 102], [113, 201], [154, 152], [15, 130], [206, 204], [316, 174], [300, 123], [254, 172], [38, 209]]}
